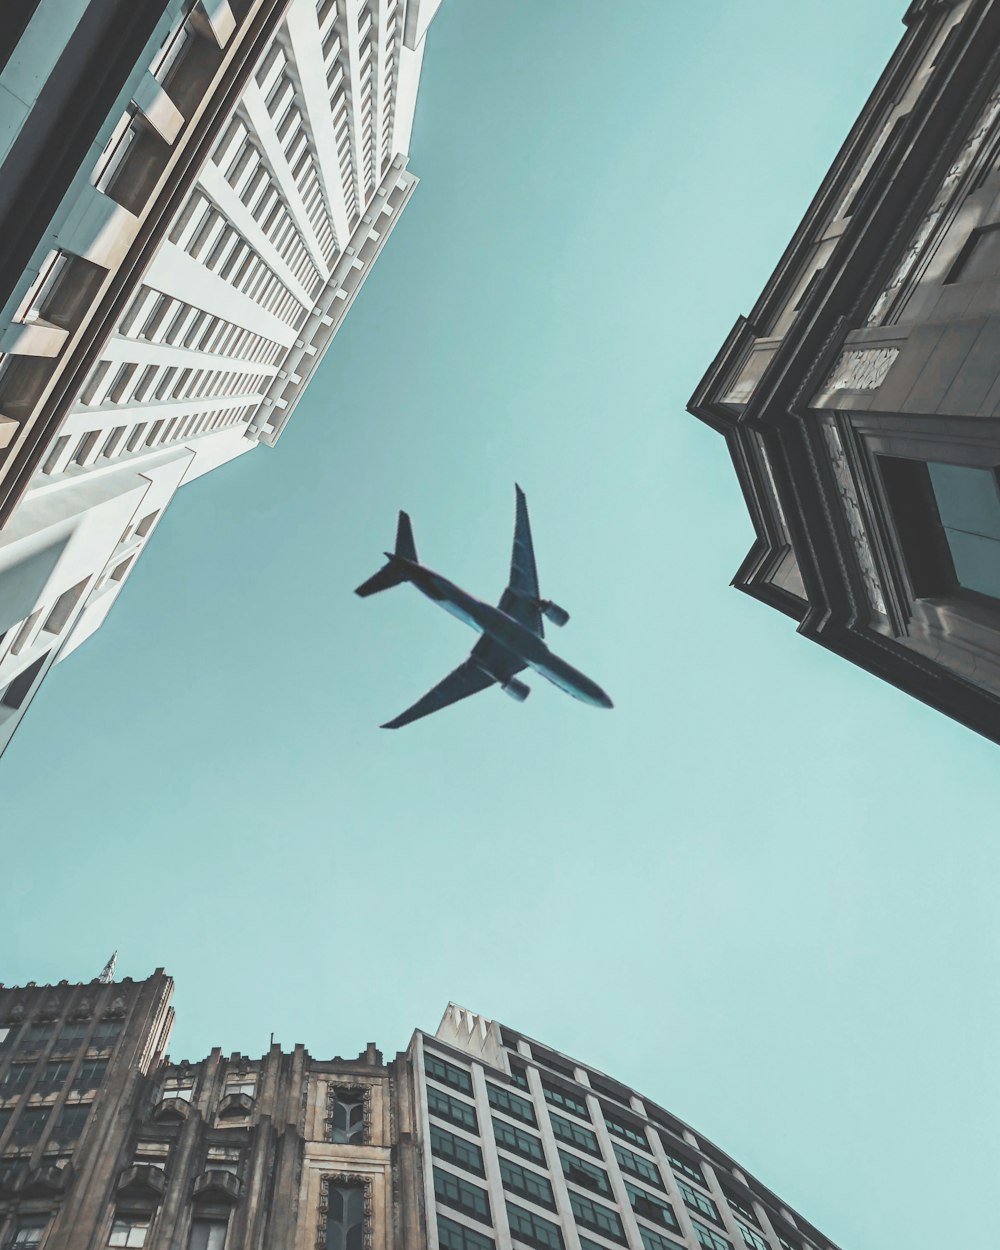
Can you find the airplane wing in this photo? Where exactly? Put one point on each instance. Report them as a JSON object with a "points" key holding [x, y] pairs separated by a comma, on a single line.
{"points": [[520, 599], [487, 664]]}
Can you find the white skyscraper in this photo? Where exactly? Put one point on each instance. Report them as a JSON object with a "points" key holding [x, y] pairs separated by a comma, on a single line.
{"points": [[195, 270]]}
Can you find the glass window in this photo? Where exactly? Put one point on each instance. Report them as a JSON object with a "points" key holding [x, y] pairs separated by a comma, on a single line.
{"points": [[455, 1236], [582, 1172], [656, 1241], [29, 1126], [708, 1238], [787, 1244], [36, 1035], [528, 1184], [453, 1109], [91, 1074], [743, 1207], [574, 1134], [968, 501], [454, 1191], [70, 1124], [4, 1034], [698, 1202], [17, 1076], [752, 1238], [447, 1073], [564, 1099], [515, 1139], [596, 1216], [645, 1169], [178, 1089], [519, 1075], [512, 1104], [534, 1229], [348, 1120], [106, 1030], [345, 1217], [5, 1114], [223, 1159], [650, 1207], [685, 1166], [235, 1085], [129, 1230], [625, 1129], [54, 1074], [27, 1233], [207, 1235], [464, 1154]]}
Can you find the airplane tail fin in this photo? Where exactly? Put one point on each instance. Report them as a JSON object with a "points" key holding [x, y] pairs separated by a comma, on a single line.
{"points": [[393, 574]]}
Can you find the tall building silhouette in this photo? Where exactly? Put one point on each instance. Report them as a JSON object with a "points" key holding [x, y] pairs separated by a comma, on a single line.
{"points": [[177, 255], [475, 1138], [860, 398]]}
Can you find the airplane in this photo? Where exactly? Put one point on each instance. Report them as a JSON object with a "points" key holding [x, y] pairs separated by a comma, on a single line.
{"points": [[512, 634]]}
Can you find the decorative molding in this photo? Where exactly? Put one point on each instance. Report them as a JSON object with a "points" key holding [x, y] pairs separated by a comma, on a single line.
{"points": [[364, 1182], [349, 1087], [959, 168], [861, 370], [852, 513]]}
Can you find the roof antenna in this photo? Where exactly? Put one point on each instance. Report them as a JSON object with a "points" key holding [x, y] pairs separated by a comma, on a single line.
{"points": [[108, 972]]}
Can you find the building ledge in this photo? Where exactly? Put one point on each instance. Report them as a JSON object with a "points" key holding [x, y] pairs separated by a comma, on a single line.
{"points": [[236, 1106], [45, 1180], [143, 1180], [216, 1184], [171, 1109]]}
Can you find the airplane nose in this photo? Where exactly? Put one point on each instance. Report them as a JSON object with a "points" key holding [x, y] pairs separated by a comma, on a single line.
{"points": [[604, 701]]}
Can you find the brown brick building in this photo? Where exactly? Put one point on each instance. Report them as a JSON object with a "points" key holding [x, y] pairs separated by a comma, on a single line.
{"points": [[860, 398]]}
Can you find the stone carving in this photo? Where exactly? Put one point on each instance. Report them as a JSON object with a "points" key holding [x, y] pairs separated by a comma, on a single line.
{"points": [[863, 369], [852, 511], [117, 1009], [959, 167], [16, 1014], [82, 1011], [346, 1178], [365, 1091], [51, 1010]]}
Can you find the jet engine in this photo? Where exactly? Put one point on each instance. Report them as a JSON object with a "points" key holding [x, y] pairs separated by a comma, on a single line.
{"points": [[516, 689], [553, 612]]}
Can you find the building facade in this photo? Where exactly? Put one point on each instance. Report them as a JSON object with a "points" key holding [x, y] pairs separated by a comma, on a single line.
{"points": [[860, 398], [106, 1143], [525, 1147], [163, 304]]}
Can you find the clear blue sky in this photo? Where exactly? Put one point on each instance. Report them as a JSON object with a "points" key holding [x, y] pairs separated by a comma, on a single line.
{"points": [[763, 888]]}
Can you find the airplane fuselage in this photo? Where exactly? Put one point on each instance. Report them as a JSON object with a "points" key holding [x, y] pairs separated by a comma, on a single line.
{"points": [[503, 629]]}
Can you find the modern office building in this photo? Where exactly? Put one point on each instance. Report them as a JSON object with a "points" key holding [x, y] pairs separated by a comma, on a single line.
{"points": [[106, 1143], [476, 1138], [192, 192], [860, 398], [524, 1147]]}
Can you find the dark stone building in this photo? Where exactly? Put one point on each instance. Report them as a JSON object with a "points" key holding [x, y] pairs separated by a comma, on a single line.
{"points": [[105, 1143], [860, 398]]}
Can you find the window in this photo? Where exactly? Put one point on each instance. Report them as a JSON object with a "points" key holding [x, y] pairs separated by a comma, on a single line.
{"points": [[582, 1172], [223, 1159], [345, 1218], [91, 1074], [28, 1128], [513, 1104], [786, 1244], [5, 1115], [596, 1216], [651, 1208], [457, 1150], [533, 1229], [27, 1233], [685, 1166], [152, 1152], [574, 1134], [461, 1194], [16, 1077], [527, 1145], [53, 1074], [564, 1099], [452, 1109], [656, 1241], [347, 1118], [455, 1236], [178, 1089], [752, 1238], [528, 1184], [643, 1168], [106, 1030], [129, 1230], [207, 1235], [743, 1207], [448, 1073], [36, 1035], [70, 1124], [4, 1034], [708, 1238], [699, 1202], [519, 1075], [625, 1129]]}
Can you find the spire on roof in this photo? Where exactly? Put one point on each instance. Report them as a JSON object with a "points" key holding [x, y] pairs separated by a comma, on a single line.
{"points": [[108, 972]]}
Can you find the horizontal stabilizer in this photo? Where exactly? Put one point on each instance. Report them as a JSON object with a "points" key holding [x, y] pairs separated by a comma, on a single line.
{"points": [[388, 576]]}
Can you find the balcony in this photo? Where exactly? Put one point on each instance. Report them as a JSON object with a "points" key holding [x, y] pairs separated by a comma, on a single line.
{"points": [[143, 1180], [46, 1181], [170, 1109], [217, 1185], [236, 1106]]}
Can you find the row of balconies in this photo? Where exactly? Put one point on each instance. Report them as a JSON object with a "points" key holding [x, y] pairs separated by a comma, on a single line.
{"points": [[18, 1179], [148, 1182], [175, 1107]]}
